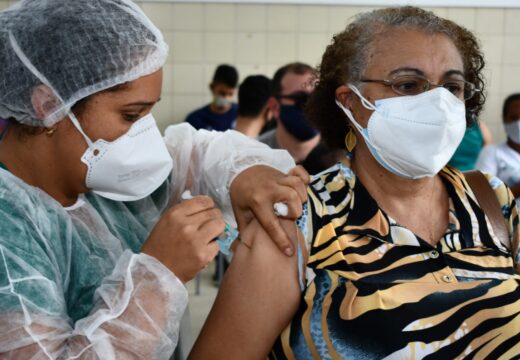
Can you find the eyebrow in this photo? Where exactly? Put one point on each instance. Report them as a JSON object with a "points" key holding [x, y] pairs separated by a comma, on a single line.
{"points": [[143, 103], [407, 69], [420, 72]]}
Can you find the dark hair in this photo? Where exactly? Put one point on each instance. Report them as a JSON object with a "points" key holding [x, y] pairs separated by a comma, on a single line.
{"points": [[253, 94], [227, 75], [345, 59], [295, 68], [508, 101]]}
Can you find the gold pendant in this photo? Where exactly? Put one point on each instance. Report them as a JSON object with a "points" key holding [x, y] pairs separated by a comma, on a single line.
{"points": [[350, 140]]}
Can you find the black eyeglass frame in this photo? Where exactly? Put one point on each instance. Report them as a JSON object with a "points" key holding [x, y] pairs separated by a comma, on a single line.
{"points": [[300, 98]]}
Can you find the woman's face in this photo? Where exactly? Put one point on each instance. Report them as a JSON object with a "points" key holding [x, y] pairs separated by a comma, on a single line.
{"points": [[106, 115], [405, 52]]}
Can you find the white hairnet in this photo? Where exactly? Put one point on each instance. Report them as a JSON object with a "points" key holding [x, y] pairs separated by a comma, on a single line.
{"points": [[76, 48]]}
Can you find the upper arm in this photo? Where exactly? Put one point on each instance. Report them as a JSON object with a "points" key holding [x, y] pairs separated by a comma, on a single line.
{"points": [[509, 208], [257, 299], [487, 137]]}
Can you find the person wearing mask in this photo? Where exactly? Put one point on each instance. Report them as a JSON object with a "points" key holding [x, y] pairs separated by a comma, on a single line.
{"points": [[400, 257], [292, 85], [503, 160], [95, 243], [475, 138], [221, 112], [255, 105]]}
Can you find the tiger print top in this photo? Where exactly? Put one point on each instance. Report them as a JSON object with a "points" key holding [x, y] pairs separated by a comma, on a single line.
{"points": [[375, 290]]}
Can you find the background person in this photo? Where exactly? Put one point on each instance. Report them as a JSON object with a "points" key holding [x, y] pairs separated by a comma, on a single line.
{"points": [[292, 85], [255, 105], [94, 244], [221, 112], [475, 138], [503, 160], [397, 259]]}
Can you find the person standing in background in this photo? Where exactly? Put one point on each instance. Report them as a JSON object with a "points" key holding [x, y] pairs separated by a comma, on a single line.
{"points": [[475, 138], [292, 85], [255, 105], [503, 160], [221, 112]]}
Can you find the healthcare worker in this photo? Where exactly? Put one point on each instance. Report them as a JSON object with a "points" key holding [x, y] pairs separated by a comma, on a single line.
{"points": [[94, 243]]}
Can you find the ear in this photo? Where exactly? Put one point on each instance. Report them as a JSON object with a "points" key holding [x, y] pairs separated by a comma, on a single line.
{"points": [[211, 86], [344, 96], [43, 101], [274, 107], [267, 114]]}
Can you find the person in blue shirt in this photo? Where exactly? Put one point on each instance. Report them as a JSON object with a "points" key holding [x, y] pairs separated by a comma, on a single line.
{"points": [[221, 112]]}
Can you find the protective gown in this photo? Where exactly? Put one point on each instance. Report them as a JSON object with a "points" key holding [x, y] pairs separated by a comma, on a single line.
{"points": [[72, 281]]}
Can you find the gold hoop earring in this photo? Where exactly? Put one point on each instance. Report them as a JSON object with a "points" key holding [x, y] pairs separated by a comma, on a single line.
{"points": [[51, 130], [350, 140]]}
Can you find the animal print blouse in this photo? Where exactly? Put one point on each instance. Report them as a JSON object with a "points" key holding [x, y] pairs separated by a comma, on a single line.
{"points": [[376, 290]]}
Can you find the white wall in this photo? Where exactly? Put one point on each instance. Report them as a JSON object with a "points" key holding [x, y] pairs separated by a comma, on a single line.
{"points": [[260, 38]]}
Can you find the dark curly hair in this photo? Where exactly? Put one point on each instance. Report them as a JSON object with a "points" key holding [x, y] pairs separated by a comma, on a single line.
{"points": [[346, 57]]}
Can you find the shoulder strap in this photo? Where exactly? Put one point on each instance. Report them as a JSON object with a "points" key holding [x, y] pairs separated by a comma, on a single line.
{"points": [[488, 201]]}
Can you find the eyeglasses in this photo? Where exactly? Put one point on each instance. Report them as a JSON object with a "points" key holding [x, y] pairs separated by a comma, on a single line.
{"points": [[416, 84], [300, 98]]}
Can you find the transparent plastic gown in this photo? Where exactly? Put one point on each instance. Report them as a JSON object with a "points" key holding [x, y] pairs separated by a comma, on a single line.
{"points": [[72, 281]]}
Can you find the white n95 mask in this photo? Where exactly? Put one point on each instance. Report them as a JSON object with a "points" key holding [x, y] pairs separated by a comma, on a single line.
{"points": [[513, 131], [130, 167], [413, 136]]}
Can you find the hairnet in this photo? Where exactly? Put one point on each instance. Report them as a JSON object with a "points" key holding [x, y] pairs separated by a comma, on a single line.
{"points": [[75, 48]]}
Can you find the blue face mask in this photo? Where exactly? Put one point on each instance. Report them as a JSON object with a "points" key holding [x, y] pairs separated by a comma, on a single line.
{"points": [[293, 119]]}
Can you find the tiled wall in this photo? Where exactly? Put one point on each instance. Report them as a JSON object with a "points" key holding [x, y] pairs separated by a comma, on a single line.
{"points": [[260, 38]]}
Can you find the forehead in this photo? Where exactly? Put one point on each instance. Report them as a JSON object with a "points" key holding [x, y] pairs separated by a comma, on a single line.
{"points": [[433, 54], [145, 88], [513, 107], [292, 82], [223, 88]]}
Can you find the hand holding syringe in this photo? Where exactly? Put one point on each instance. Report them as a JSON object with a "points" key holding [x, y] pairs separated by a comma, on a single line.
{"points": [[230, 233]]}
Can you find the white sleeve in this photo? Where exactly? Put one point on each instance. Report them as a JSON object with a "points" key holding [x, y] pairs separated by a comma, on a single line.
{"points": [[487, 160], [137, 312], [206, 162]]}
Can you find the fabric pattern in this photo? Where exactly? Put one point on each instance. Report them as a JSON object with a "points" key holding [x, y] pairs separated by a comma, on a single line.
{"points": [[376, 290]]}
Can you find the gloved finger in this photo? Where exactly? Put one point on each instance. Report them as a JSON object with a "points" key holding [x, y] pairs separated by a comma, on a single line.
{"points": [[296, 184], [243, 218], [289, 197], [212, 229], [201, 218], [195, 205], [271, 224], [212, 251], [300, 172]]}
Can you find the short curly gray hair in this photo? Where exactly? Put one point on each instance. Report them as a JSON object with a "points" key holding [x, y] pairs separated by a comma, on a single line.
{"points": [[345, 60]]}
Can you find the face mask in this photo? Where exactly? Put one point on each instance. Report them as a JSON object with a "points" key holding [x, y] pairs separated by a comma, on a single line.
{"points": [[130, 167], [221, 101], [413, 136], [513, 131], [293, 119]]}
